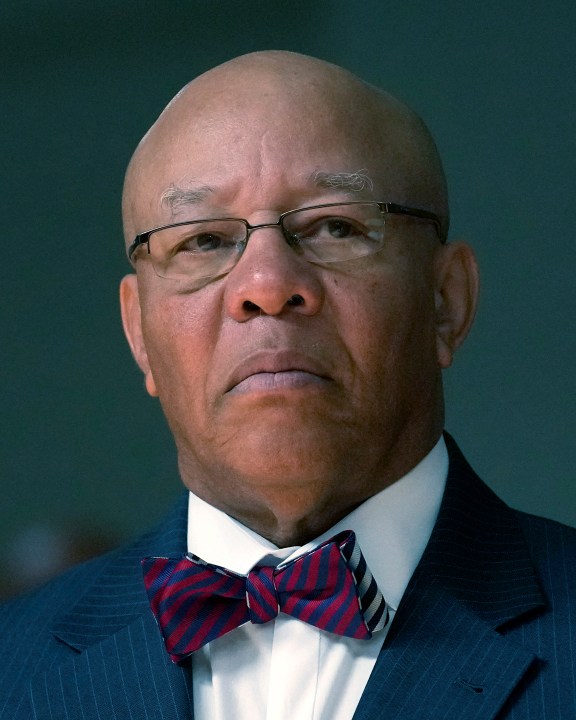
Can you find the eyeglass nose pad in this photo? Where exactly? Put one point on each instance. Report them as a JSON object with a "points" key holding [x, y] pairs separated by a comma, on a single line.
{"points": [[291, 238]]}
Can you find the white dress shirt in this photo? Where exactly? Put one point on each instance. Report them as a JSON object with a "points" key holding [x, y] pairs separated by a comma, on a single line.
{"points": [[286, 669]]}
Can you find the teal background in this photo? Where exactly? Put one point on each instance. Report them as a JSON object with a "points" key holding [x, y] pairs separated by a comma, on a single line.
{"points": [[81, 443]]}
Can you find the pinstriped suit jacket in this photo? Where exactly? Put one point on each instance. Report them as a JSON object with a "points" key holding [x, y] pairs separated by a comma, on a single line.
{"points": [[486, 629]]}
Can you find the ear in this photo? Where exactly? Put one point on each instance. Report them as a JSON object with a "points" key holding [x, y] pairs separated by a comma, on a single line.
{"points": [[456, 297], [132, 323]]}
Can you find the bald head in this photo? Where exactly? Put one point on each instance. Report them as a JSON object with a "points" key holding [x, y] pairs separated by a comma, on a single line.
{"points": [[282, 97]]}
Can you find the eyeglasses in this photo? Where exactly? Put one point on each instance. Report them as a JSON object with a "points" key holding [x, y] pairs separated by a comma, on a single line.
{"points": [[197, 251]]}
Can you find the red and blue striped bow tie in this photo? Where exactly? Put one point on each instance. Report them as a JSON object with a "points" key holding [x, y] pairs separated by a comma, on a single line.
{"points": [[329, 587]]}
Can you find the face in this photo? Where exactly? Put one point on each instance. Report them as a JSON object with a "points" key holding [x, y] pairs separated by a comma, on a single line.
{"points": [[294, 391]]}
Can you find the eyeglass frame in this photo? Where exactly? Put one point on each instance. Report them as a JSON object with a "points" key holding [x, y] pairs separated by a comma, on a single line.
{"points": [[384, 208]]}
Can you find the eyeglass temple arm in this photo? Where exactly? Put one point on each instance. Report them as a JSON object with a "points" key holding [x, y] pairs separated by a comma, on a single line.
{"points": [[414, 212], [141, 239]]}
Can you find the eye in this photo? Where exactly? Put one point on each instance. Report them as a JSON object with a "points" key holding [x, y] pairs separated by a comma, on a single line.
{"points": [[328, 229], [202, 243], [337, 228]]}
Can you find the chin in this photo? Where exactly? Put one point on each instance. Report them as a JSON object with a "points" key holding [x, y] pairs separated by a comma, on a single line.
{"points": [[281, 458], [291, 462]]}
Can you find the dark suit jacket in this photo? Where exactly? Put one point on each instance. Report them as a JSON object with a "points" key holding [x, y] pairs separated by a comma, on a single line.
{"points": [[486, 629]]}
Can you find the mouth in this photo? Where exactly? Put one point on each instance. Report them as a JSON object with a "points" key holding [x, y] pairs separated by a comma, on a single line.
{"points": [[277, 372]]}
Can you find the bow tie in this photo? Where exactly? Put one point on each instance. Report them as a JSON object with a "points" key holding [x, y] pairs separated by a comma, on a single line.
{"points": [[329, 587]]}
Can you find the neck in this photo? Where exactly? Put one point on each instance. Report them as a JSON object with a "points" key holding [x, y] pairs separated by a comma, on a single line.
{"points": [[294, 512]]}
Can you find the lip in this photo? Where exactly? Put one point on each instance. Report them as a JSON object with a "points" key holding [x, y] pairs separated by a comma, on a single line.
{"points": [[275, 371]]}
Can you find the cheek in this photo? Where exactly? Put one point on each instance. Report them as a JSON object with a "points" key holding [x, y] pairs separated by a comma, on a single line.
{"points": [[180, 334], [386, 322]]}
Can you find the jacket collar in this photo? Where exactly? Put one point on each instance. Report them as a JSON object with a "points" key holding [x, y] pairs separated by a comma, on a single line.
{"points": [[477, 551], [446, 654]]}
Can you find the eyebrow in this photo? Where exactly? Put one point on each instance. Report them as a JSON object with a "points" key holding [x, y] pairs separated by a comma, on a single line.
{"points": [[177, 197], [356, 181]]}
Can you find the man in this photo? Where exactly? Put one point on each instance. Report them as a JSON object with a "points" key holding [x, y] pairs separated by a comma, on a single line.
{"points": [[298, 359]]}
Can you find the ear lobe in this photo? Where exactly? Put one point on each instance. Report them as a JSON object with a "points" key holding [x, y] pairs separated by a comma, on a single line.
{"points": [[456, 297], [132, 323]]}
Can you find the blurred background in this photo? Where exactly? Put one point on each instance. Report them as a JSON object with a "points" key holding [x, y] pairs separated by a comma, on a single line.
{"points": [[86, 459]]}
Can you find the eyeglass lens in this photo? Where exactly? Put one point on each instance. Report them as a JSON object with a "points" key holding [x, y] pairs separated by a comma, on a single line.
{"points": [[205, 249]]}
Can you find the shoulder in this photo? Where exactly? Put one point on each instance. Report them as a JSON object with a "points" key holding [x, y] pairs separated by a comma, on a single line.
{"points": [[542, 532], [27, 643], [47, 627], [55, 596], [552, 547], [107, 585], [505, 544], [116, 566]]}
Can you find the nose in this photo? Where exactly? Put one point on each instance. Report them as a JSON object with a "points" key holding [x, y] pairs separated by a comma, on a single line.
{"points": [[271, 278]]}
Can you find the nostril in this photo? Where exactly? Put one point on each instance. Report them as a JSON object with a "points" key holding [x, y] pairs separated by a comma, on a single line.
{"points": [[292, 301], [296, 300]]}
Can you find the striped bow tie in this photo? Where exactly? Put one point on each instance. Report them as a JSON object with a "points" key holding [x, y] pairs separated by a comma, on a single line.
{"points": [[329, 587]]}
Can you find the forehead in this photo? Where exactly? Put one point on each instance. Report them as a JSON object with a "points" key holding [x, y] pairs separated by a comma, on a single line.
{"points": [[293, 161], [278, 144]]}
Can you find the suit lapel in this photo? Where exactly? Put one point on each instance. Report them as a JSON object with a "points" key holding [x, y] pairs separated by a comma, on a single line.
{"points": [[120, 667], [446, 654], [441, 662], [127, 675]]}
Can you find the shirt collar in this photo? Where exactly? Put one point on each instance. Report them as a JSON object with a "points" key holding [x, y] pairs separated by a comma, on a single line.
{"points": [[392, 527]]}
